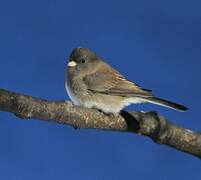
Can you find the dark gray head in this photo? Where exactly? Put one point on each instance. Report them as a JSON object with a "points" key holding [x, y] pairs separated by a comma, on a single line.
{"points": [[82, 61], [82, 53]]}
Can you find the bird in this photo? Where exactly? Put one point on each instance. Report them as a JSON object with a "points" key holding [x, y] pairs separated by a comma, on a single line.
{"points": [[92, 83]]}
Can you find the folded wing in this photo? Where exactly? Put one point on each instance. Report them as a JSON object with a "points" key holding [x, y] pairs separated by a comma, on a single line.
{"points": [[107, 80]]}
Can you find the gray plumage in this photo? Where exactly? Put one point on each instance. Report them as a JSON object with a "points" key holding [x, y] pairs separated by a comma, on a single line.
{"points": [[92, 83]]}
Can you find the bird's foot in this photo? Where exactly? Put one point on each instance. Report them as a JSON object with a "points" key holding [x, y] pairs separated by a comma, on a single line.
{"points": [[112, 115], [69, 102]]}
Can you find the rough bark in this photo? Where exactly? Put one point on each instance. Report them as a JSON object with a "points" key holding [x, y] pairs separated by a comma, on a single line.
{"points": [[150, 124]]}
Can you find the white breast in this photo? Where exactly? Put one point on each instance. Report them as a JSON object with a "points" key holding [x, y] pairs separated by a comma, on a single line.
{"points": [[71, 95], [108, 104]]}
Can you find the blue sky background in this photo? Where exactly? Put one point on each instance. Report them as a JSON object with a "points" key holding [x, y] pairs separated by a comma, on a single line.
{"points": [[157, 44]]}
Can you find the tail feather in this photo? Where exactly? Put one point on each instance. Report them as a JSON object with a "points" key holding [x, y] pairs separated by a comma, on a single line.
{"points": [[165, 103]]}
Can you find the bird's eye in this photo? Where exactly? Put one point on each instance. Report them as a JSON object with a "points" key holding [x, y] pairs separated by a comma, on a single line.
{"points": [[83, 61]]}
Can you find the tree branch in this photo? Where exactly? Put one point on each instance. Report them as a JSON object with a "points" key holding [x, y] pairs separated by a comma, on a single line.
{"points": [[150, 124]]}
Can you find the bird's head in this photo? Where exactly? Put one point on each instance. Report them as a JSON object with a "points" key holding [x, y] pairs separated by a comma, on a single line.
{"points": [[82, 61]]}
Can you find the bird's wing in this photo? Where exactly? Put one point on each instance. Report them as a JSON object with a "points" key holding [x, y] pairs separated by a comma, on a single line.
{"points": [[107, 80]]}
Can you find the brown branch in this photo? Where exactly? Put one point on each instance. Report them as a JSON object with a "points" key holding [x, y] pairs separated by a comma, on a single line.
{"points": [[148, 124]]}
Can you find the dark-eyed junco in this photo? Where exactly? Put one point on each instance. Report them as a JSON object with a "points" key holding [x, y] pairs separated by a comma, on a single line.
{"points": [[92, 83]]}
